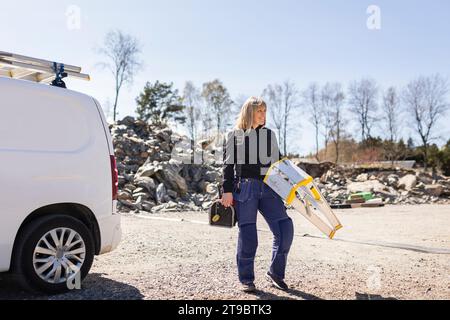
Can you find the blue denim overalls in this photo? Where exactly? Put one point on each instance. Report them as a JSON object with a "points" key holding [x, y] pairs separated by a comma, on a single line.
{"points": [[251, 195]]}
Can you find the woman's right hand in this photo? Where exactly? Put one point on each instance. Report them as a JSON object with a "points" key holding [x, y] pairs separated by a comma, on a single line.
{"points": [[227, 199]]}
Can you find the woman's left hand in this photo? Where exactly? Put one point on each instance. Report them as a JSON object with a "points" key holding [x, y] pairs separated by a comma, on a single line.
{"points": [[227, 199]]}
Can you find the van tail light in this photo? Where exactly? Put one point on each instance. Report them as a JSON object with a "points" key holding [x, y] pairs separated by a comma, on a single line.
{"points": [[115, 177]]}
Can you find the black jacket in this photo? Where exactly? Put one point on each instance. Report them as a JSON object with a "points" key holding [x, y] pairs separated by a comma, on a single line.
{"points": [[248, 155]]}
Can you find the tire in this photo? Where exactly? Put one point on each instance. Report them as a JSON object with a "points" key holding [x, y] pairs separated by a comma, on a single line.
{"points": [[43, 264]]}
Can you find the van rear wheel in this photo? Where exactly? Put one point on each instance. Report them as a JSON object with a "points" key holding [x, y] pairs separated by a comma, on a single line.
{"points": [[54, 254]]}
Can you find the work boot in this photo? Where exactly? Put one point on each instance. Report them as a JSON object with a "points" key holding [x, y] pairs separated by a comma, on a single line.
{"points": [[248, 287], [276, 282]]}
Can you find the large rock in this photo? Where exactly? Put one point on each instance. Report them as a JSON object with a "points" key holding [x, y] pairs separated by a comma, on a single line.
{"points": [[392, 180], [147, 205], [147, 170], [407, 182], [434, 189], [197, 173], [211, 176], [168, 174], [425, 178], [164, 134], [172, 193], [211, 188], [202, 186], [367, 186], [126, 122], [165, 207], [161, 193], [146, 183], [313, 168], [123, 195], [390, 195], [363, 177]]}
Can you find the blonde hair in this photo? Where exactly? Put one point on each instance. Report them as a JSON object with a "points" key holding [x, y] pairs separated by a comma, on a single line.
{"points": [[245, 118]]}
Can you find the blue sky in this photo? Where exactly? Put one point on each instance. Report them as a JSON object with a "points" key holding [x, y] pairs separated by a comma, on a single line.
{"points": [[246, 44]]}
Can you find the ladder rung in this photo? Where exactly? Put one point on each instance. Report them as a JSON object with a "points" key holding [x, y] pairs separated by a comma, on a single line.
{"points": [[34, 69], [31, 60]]}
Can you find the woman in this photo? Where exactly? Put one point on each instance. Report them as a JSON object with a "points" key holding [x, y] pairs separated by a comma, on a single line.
{"points": [[249, 150]]}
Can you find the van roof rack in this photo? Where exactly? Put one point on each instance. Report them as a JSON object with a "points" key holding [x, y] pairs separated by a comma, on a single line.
{"points": [[37, 70]]}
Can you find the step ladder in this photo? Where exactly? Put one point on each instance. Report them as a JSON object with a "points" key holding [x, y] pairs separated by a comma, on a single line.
{"points": [[37, 70]]}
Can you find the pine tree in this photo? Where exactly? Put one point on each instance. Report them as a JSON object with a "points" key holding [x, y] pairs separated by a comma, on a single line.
{"points": [[159, 103]]}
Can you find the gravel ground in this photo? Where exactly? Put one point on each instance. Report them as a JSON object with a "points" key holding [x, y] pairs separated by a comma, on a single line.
{"points": [[173, 259]]}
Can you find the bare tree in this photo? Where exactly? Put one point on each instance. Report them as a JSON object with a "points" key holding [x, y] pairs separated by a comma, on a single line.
{"points": [[218, 102], [283, 98], [274, 96], [391, 112], [311, 98], [326, 114], [425, 100], [107, 108], [338, 100], [191, 100], [332, 98], [290, 102], [363, 103], [122, 51], [238, 102], [207, 119]]}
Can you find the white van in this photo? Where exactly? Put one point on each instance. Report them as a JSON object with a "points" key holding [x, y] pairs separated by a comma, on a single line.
{"points": [[58, 184]]}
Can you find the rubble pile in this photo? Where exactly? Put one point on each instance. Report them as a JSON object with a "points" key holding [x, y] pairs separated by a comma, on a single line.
{"points": [[157, 173], [394, 185], [153, 175]]}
